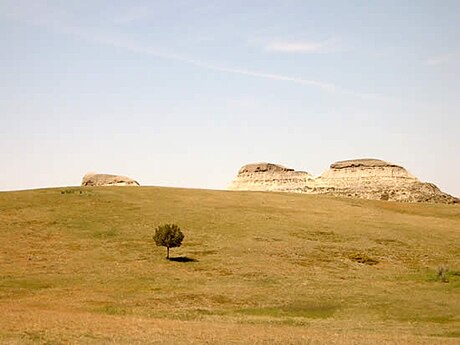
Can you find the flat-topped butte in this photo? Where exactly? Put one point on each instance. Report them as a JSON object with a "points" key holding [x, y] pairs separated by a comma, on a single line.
{"points": [[366, 178]]}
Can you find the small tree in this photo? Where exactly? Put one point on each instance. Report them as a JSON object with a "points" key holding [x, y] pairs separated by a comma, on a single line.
{"points": [[169, 236], [442, 273]]}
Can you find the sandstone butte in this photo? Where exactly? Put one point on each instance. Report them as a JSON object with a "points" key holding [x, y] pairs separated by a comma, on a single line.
{"points": [[359, 178], [93, 179]]}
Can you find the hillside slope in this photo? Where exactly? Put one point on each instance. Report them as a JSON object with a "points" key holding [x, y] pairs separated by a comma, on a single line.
{"points": [[78, 265]]}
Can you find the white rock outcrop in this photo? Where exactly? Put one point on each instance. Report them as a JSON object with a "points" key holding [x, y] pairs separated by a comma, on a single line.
{"points": [[93, 179], [360, 178], [269, 177]]}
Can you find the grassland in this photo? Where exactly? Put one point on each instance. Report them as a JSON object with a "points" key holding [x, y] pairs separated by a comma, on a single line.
{"points": [[78, 265]]}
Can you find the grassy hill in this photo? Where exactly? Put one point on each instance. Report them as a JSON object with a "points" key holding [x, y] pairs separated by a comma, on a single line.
{"points": [[78, 265]]}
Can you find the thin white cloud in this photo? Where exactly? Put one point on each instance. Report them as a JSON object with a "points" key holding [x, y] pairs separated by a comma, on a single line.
{"points": [[299, 46], [326, 86], [295, 47], [157, 53], [271, 76], [115, 42], [441, 59], [90, 36]]}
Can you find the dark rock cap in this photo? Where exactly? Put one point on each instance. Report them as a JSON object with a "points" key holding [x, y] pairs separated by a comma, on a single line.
{"points": [[364, 162], [263, 167]]}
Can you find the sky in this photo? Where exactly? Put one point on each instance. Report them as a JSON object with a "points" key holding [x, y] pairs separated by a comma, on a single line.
{"points": [[183, 93]]}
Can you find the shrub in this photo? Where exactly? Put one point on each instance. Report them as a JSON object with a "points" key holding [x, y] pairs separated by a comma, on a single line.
{"points": [[442, 273], [169, 236], [363, 259]]}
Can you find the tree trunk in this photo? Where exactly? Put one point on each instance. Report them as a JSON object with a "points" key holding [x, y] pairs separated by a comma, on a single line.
{"points": [[167, 253]]}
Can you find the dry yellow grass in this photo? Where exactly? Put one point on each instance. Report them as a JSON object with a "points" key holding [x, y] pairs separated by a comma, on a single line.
{"points": [[78, 265]]}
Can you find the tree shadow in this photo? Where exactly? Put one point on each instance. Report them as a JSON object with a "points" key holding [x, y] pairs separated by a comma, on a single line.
{"points": [[183, 259]]}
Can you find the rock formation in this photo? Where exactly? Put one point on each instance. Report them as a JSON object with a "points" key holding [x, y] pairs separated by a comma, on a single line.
{"points": [[361, 178], [269, 177], [92, 179]]}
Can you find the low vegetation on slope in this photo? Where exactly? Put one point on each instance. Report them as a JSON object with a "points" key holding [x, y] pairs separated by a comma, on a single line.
{"points": [[79, 265]]}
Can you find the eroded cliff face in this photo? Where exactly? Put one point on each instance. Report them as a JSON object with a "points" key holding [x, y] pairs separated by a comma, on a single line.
{"points": [[361, 178], [269, 177]]}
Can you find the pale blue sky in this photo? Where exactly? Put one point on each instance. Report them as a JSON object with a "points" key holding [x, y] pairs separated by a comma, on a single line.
{"points": [[182, 93]]}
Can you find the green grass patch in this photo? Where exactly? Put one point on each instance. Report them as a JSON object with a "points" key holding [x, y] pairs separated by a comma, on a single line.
{"points": [[310, 311], [111, 309], [454, 334], [104, 234], [10, 284]]}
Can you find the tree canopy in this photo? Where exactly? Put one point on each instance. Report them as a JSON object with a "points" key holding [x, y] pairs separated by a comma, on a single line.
{"points": [[169, 236]]}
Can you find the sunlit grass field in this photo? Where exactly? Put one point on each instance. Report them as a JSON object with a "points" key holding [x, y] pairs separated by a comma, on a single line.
{"points": [[78, 265]]}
